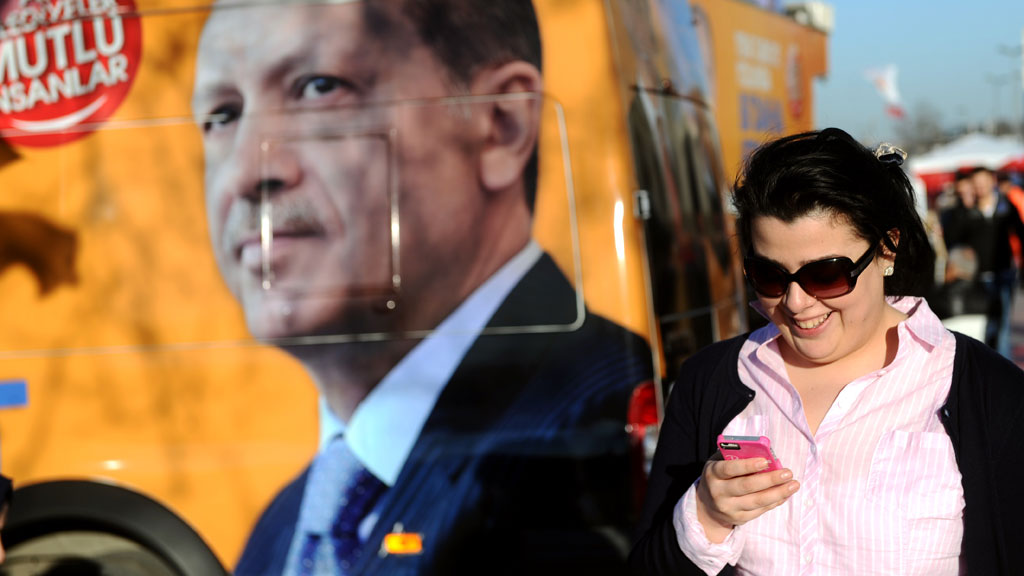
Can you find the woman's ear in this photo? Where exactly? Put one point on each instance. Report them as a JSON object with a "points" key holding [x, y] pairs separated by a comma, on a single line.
{"points": [[510, 109], [888, 257], [894, 239]]}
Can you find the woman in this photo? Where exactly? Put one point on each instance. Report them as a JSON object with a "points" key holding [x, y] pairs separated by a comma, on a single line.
{"points": [[902, 443]]}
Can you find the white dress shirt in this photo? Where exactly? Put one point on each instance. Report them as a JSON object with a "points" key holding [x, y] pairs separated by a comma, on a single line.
{"points": [[386, 424], [880, 489]]}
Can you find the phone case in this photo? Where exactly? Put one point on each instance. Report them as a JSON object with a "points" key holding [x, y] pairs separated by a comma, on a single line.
{"points": [[740, 447]]}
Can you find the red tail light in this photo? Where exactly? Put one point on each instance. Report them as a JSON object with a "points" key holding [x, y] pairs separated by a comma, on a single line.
{"points": [[642, 425], [643, 408]]}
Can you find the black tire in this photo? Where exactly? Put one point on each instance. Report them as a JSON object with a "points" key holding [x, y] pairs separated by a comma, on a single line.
{"points": [[80, 508]]}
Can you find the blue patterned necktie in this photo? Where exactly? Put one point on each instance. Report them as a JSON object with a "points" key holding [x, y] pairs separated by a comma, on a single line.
{"points": [[340, 493]]}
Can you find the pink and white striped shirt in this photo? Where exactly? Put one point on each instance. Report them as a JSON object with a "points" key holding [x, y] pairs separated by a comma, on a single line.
{"points": [[880, 490]]}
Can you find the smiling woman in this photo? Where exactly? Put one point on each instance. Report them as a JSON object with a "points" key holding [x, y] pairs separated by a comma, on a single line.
{"points": [[862, 391]]}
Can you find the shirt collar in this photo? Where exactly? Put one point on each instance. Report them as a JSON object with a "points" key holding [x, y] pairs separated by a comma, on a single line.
{"points": [[330, 425], [386, 424], [921, 322]]}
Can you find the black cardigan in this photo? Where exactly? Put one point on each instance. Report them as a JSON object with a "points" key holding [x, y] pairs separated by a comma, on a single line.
{"points": [[983, 415]]}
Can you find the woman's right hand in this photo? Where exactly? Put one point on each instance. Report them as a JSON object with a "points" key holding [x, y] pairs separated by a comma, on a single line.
{"points": [[734, 492]]}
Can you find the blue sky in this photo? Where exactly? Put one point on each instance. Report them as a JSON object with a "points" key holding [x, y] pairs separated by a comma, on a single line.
{"points": [[947, 53]]}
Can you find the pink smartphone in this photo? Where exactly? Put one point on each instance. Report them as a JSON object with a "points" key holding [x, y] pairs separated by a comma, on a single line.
{"points": [[740, 447]]}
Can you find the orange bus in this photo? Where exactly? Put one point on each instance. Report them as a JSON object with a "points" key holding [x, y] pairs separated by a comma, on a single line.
{"points": [[761, 65], [184, 314]]}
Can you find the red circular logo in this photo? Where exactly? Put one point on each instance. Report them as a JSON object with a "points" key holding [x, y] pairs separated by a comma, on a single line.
{"points": [[65, 67]]}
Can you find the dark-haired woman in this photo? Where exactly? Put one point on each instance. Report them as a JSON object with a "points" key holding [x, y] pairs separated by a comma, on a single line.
{"points": [[902, 444]]}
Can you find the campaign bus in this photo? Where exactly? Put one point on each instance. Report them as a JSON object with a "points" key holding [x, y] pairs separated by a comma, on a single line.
{"points": [[448, 254]]}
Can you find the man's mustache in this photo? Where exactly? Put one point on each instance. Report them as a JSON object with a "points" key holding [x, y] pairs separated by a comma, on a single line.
{"points": [[291, 216]]}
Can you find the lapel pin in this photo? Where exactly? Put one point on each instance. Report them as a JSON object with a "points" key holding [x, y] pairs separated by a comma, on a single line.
{"points": [[398, 542]]}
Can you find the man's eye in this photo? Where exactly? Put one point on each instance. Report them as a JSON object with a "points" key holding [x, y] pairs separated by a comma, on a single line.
{"points": [[220, 117], [315, 87]]}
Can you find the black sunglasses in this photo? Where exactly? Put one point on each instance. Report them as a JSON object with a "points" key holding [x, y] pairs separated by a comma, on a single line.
{"points": [[828, 278]]}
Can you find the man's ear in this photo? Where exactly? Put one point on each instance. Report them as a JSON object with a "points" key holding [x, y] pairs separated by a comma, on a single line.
{"points": [[511, 121]]}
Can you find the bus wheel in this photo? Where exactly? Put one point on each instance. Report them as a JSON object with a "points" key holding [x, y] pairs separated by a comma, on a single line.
{"points": [[85, 528]]}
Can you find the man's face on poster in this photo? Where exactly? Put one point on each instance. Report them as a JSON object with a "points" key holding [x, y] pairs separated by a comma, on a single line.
{"points": [[319, 126]]}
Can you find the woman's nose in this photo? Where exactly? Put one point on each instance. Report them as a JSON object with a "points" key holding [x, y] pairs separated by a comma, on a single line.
{"points": [[796, 299]]}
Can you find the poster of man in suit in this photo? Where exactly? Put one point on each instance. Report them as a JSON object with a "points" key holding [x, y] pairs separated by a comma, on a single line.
{"points": [[370, 175]]}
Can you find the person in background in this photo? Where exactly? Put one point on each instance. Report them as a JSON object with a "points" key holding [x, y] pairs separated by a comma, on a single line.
{"points": [[888, 425], [987, 226], [1009, 187], [956, 204], [1015, 194], [959, 299]]}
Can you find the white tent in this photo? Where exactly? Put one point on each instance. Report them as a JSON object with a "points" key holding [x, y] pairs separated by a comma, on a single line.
{"points": [[969, 151]]}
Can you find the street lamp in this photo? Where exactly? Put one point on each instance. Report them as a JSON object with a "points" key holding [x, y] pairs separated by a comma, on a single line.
{"points": [[997, 81], [1016, 52]]}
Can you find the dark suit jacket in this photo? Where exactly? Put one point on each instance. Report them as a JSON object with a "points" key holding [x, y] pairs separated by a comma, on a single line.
{"points": [[523, 465]]}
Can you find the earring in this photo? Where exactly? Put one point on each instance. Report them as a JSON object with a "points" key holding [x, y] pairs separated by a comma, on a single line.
{"points": [[888, 271]]}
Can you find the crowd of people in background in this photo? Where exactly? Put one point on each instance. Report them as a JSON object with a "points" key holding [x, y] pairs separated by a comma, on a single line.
{"points": [[978, 232]]}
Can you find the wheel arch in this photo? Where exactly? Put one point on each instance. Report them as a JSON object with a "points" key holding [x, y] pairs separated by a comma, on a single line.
{"points": [[67, 505]]}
